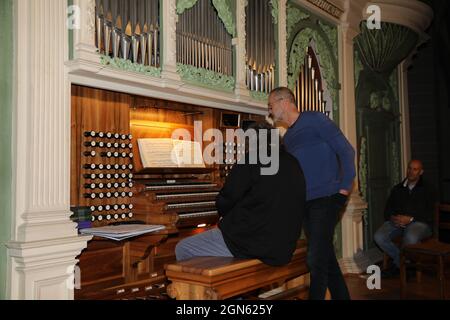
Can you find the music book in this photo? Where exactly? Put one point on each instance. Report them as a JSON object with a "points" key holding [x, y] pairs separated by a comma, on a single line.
{"points": [[121, 232], [170, 153]]}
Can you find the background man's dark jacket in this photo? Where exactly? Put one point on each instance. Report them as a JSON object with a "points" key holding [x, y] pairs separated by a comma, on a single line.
{"points": [[262, 215], [418, 203]]}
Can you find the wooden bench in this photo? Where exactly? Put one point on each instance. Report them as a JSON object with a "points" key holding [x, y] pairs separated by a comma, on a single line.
{"points": [[217, 278]]}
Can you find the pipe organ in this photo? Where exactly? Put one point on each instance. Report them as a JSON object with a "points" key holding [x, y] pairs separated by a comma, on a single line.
{"points": [[202, 39], [109, 183], [111, 186], [129, 29], [260, 30], [308, 90]]}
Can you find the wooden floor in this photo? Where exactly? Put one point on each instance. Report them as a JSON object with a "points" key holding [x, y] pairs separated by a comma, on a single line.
{"points": [[390, 288]]}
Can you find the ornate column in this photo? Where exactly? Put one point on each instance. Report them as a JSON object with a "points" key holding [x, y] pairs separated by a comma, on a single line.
{"points": [[417, 16], [169, 40], [240, 45], [412, 14], [352, 221], [282, 45], [45, 243], [84, 36]]}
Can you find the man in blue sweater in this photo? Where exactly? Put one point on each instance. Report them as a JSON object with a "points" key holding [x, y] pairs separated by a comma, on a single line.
{"points": [[327, 160]]}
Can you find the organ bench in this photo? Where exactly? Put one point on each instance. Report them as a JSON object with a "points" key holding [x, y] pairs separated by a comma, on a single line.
{"points": [[217, 278]]}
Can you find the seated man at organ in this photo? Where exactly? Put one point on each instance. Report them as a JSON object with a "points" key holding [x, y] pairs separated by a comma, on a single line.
{"points": [[261, 214]]}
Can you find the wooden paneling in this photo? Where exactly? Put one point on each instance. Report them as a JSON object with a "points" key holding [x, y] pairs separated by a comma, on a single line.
{"points": [[103, 265], [99, 111]]}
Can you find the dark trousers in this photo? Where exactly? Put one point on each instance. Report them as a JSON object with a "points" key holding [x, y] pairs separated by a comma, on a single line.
{"points": [[320, 221]]}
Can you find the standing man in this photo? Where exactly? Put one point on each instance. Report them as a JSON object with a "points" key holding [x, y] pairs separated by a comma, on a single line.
{"points": [[327, 159]]}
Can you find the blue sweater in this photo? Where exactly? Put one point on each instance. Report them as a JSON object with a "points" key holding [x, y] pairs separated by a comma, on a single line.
{"points": [[325, 155]]}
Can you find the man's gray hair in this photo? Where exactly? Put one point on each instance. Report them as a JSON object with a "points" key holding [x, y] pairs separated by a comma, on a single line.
{"points": [[283, 93]]}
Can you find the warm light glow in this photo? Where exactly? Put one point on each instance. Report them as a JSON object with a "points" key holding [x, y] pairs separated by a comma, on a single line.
{"points": [[159, 124], [201, 225]]}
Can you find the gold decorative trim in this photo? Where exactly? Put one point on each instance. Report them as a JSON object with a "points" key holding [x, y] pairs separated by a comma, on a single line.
{"points": [[328, 7]]}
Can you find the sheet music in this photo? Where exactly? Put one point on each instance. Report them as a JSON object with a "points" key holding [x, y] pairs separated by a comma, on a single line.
{"points": [[122, 232], [189, 154], [157, 153], [169, 153]]}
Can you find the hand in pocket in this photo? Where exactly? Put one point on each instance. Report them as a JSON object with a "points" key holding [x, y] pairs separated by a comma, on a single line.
{"points": [[340, 199]]}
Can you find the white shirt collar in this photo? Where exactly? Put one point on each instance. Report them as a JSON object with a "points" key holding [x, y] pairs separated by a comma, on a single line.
{"points": [[409, 185]]}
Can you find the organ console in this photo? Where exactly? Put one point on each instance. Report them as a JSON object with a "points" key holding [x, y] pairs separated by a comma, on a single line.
{"points": [[118, 190], [177, 198]]}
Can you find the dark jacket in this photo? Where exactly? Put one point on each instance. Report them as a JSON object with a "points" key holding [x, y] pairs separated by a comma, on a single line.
{"points": [[418, 203], [261, 214]]}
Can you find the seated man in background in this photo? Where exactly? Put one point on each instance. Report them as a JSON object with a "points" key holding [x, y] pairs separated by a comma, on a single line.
{"points": [[409, 213], [261, 215]]}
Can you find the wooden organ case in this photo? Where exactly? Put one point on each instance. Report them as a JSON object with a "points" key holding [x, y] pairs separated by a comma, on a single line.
{"points": [[109, 180]]}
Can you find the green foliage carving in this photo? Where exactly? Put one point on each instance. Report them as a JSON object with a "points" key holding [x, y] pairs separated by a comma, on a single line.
{"points": [[127, 65], [225, 10], [183, 5], [206, 78]]}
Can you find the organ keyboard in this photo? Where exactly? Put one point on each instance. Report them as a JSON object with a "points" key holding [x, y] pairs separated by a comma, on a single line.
{"points": [[177, 199], [182, 186], [185, 195]]}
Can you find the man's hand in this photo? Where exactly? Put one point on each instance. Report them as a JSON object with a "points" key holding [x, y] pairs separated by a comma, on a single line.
{"points": [[401, 220], [344, 192]]}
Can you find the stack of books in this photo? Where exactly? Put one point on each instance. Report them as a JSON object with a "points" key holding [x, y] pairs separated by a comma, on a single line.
{"points": [[82, 216]]}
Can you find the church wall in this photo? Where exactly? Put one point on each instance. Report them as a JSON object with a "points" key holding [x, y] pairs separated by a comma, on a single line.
{"points": [[423, 113]]}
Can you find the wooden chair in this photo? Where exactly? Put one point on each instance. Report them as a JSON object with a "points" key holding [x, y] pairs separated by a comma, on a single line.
{"points": [[428, 254], [398, 240], [217, 278]]}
